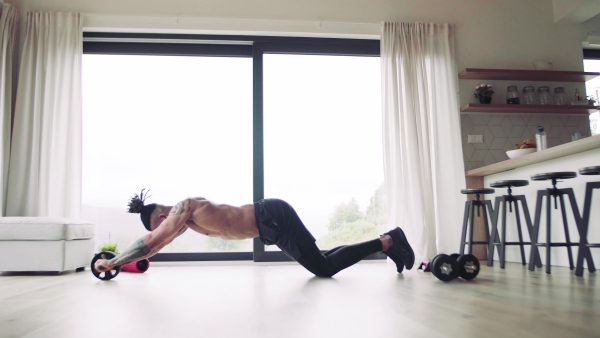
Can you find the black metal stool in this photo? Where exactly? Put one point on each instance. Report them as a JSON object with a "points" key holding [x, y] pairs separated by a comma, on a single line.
{"points": [[553, 192], [584, 247], [469, 217], [500, 205]]}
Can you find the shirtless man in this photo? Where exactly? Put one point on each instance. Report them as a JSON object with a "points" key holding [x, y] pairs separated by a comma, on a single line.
{"points": [[273, 221]]}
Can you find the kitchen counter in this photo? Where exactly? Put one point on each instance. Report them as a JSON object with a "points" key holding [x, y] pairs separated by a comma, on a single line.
{"points": [[562, 150], [566, 157]]}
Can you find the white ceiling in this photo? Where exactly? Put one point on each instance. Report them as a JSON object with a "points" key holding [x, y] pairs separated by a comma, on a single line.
{"points": [[575, 11]]}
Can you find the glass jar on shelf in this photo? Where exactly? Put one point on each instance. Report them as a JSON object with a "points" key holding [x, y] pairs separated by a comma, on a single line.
{"points": [[512, 95], [560, 97], [529, 95], [544, 95]]}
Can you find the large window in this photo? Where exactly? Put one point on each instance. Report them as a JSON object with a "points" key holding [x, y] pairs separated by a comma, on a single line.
{"points": [[179, 126], [592, 87], [233, 121]]}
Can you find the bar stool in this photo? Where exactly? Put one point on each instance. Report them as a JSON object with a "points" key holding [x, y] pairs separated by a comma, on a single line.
{"points": [[500, 205], [584, 247], [553, 192], [469, 218]]}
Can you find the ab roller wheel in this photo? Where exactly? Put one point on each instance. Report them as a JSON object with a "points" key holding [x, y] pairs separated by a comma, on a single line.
{"points": [[104, 275], [448, 267]]}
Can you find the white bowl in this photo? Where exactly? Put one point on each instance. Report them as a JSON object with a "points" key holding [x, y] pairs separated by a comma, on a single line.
{"points": [[519, 152]]}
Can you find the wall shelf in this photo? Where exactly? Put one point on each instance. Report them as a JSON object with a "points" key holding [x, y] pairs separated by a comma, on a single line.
{"points": [[528, 109], [526, 75]]}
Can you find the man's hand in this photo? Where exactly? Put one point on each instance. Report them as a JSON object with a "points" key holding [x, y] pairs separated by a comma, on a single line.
{"points": [[150, 244], [103, 265]]}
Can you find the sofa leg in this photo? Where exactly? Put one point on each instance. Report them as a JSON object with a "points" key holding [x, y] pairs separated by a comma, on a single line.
{"points": [[80, 269]]}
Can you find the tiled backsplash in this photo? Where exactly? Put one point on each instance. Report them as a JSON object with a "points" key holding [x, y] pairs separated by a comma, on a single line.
{"points": [[502, 131]]}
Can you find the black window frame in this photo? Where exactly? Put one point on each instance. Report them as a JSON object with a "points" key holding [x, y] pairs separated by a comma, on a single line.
{"points": [[592, 54], [231, 46]]}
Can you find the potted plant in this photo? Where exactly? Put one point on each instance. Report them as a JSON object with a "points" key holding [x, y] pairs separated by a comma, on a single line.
{"points": [[591, 101], [484, 92], [109, 246]]}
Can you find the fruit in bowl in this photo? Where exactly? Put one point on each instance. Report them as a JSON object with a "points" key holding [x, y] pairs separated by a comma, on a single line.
{"points": [[522, 148], [527, 144]]}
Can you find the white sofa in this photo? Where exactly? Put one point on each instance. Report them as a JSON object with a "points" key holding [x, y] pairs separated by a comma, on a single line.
{"points": [[45, 244]]}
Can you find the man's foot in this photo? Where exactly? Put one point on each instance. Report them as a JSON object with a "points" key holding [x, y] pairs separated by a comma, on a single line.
{"points": [[400, 249], [396, 259]]}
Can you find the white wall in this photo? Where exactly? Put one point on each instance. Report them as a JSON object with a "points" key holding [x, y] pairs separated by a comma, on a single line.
{"points": [[492, 33], [575, 11], [592, 25], [489, 34]]}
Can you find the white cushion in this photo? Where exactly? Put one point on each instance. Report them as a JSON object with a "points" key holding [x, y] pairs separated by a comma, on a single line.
{"points": [[44, 229]]}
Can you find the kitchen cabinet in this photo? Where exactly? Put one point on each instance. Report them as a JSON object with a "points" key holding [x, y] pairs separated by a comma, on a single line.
{"points": [[527, 75]]}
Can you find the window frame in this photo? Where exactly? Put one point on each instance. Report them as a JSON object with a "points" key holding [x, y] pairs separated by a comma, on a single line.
{"points": [[231, 46], [591, 54]]}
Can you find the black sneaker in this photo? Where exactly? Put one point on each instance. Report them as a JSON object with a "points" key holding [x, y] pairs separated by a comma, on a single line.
{"points": [[400, 248], [397, 260]]}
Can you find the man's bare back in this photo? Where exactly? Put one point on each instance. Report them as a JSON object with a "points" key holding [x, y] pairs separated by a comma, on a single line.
{"points": [[198, 214], [220, 220]]}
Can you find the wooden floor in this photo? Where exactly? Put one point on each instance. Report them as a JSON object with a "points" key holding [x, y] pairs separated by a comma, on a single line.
{"points": [[281, 300]]}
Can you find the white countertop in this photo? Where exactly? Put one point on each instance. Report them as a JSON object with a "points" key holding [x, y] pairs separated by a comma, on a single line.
{"points": [[570, 148]]}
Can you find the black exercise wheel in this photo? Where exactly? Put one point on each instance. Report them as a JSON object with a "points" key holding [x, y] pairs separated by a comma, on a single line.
{"points": [[104, 275]]}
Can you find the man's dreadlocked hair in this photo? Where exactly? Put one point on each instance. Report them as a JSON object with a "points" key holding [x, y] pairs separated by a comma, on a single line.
{"points": [[136, 205]]}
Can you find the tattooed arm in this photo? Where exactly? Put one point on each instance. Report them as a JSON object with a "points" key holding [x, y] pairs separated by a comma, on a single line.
{"points": [[149, 245]]}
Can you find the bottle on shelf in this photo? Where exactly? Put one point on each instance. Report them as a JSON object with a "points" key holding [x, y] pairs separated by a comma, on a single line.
{"points": [[540, 138]]}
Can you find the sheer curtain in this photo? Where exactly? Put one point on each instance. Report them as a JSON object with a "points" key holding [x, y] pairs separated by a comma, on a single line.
{"points": [[423, 161], [8, 66], [44, 176]]}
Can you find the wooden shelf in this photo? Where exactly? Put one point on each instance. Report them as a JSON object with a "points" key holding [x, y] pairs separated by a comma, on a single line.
{"points": [[526, 75], [527, 109]]}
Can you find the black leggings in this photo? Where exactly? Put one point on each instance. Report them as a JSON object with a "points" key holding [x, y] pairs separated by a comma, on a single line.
{"points": [[279, 224], [333, 261]]}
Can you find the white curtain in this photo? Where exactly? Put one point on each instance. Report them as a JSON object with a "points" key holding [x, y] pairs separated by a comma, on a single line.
{"points": [[423, 161], [44, 176], [8, 66]]}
